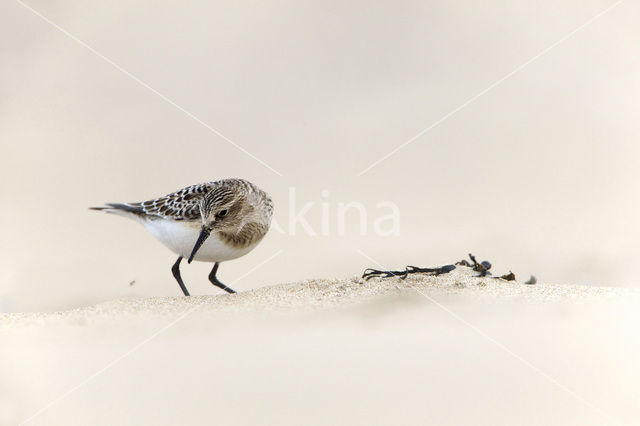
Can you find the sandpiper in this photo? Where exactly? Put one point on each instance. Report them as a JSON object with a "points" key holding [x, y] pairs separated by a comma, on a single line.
{"points": [[209, 222]]}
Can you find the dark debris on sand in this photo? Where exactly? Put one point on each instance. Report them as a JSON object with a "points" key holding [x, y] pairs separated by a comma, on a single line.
{"points": [[481, 267]]}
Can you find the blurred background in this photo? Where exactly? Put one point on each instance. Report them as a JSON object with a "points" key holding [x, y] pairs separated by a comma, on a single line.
{"points": [[539, 174]]}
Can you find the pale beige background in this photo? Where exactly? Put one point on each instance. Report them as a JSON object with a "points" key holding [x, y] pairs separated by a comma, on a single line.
{"points": [[539, 175]]}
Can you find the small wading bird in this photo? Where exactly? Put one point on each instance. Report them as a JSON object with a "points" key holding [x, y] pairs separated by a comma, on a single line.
{"points": [[210, 222]]}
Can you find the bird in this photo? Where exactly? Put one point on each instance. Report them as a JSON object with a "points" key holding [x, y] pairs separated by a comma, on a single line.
{"points": [[208, 222]]}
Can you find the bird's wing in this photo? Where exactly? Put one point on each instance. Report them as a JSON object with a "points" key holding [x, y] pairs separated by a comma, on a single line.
{"points": [[180, 205]]}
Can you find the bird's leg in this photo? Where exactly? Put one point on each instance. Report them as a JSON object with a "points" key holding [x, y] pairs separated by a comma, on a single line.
{"points": [[216, 282], [176, 274]]}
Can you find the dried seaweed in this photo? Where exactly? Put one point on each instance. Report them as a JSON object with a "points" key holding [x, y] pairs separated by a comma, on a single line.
{"points": [[483, 269]]}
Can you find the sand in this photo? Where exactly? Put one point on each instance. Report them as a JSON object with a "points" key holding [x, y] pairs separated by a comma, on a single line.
{"points": [[453, 349]]}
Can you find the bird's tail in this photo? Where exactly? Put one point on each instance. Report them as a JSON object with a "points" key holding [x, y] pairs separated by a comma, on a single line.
{"points": [[122, 209]]}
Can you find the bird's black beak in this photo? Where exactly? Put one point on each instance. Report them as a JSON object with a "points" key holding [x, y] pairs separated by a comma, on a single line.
{"points": [[204, 233]]}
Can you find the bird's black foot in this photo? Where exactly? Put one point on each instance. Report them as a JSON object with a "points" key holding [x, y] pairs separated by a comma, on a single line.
{"points": [[216, 282], [176, 274]]}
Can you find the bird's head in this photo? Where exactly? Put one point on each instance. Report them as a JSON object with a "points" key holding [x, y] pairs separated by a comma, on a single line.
{"points": [[222, 210]]}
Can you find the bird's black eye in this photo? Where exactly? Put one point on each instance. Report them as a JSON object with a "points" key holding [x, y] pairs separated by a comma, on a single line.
{"points": [[222, 213]]}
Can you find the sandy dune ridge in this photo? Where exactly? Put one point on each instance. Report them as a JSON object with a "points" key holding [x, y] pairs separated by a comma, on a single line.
{"points": [[316, 294]]}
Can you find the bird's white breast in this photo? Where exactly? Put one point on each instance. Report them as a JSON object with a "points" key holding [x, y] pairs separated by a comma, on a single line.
{"points": [[181, 236]]}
